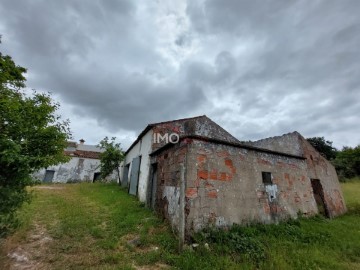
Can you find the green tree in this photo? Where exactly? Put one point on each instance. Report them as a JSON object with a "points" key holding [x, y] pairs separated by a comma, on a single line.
{"points": [[324, 147], [32, 136], [111, 158], [347, 162]]}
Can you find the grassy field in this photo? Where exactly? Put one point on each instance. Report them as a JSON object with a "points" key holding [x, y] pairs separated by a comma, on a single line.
{"points": [[99, 226]]}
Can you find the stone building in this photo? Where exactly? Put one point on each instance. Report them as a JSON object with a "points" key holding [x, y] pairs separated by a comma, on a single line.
{"points": [[227, 181], [84, 165]]}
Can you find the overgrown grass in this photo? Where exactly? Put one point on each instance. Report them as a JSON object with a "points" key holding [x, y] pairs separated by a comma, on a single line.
{"points": [[99, 226]]}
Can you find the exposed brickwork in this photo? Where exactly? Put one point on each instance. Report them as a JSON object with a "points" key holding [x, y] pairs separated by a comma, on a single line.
{"points": [[224, 183], [317, 167], [203, 174], [191, 193], [229, 186], [212, 194]]}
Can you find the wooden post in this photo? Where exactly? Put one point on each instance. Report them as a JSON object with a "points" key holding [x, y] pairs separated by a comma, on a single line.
{"points": [[182, 208]]}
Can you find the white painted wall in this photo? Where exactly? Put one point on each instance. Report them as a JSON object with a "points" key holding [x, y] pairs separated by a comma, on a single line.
{"points": [[80, 169], [143, 149]]}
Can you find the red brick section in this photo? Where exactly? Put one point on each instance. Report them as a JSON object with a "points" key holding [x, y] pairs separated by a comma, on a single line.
{"points": [[203, 174], [201, 159], [212, 194], [223, 176], [229, 164], [191, 193], [214, 174]]}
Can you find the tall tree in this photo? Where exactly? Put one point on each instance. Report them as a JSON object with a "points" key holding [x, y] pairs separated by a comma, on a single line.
{"points": [[323, 146], [111, 158], [347, 162], [32, 136]]}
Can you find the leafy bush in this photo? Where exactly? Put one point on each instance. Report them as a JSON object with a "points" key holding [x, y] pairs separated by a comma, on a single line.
{"points": [[347, 162], [250, 242], [31, 137]]}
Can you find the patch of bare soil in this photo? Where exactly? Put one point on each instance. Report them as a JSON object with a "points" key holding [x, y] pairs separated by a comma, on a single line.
{"points": [[29, 253], [158, 266], [47, 187]]}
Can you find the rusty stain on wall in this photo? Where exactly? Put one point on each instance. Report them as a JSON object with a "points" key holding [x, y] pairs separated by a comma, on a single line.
{"points": [[224, 177]]}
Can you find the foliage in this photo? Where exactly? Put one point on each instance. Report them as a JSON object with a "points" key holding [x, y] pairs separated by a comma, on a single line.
{"points": [[347, 162], [31, 137], [323, 146], [105, 229], [111, 158]]}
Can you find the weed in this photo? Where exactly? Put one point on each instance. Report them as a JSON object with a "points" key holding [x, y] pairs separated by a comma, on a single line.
{"points": [[91, 225]]}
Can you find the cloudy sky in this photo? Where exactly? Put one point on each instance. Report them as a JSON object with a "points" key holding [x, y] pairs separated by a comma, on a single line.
{"points": [[258, 68]]}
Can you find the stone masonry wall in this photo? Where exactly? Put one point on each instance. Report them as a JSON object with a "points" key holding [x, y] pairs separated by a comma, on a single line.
{"points": [[320, 168], [317, 167], [225, 186], [168, 180]]}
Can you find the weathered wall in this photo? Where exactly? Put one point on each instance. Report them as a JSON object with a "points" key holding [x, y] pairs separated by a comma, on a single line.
{"points": [[224, 186], [143, 149], [287, 143], [320, 168], [168, 183], [200, 126], [317, 166], [77, 169]]}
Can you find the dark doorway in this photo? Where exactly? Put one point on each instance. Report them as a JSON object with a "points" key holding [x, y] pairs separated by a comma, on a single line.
{"points": [[319, 197], [97, 177], [134, 175], [152, 186], [49, 176], [125, 177]]}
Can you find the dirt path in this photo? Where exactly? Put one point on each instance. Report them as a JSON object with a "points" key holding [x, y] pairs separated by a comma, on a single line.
{"points": [[27, 254], [82, 227]]}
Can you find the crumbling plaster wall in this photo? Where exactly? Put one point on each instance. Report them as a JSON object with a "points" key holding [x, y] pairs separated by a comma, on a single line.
{"points": [[224, 186], [77, 169], [320, 168], [168, 182], [317, 166], [143, 148], [201, 126], [287, 143]]}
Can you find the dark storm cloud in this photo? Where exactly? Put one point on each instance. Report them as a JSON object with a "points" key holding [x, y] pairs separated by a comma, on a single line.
{"points": [[259, 68], [118, 87], [309, 50]]}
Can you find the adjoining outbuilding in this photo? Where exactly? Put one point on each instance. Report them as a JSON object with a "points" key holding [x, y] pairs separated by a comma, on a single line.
{"points": [[84, 165], [227, 181]]}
